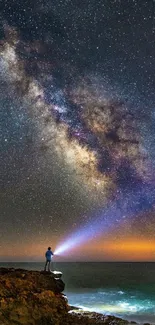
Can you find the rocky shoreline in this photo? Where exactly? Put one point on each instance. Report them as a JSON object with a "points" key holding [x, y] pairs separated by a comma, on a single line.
{"points": [[36, 298]]}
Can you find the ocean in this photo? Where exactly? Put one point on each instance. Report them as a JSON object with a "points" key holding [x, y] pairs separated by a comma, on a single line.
{"points": [[126, 290]]}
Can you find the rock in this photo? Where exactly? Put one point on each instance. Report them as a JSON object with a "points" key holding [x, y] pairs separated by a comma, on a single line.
{"points": [[93, 318], [56, 274], [31, 298], [35, 298], [60, 284]]}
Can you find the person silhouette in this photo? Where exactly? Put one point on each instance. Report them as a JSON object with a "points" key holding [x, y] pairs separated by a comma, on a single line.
{"points": [[48, 256]]}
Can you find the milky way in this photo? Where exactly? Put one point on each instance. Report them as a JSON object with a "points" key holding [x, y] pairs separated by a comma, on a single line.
{"points": [[82, 125], [96, 136]]}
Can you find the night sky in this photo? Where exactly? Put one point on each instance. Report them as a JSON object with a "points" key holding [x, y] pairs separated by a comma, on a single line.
{"points": [[77, 129]]}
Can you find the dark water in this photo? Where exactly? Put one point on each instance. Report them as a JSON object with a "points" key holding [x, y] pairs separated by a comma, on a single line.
{"points": [[122, 289]]}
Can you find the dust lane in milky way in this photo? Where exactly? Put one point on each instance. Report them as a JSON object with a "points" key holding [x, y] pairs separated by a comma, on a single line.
{"points": [[81, 129], [97, 136]]}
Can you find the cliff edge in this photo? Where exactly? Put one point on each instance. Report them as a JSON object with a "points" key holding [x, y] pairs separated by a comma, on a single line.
{"points": [[36, 298], [31, 298]]}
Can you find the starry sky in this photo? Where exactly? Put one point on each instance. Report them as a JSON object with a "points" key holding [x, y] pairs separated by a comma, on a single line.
{"points": [[77, 116]]}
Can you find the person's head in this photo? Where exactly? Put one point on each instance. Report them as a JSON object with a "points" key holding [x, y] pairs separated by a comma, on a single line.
{"points": [[49, 248]]}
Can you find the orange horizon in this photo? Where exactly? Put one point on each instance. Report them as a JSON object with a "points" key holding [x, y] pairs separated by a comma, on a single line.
{"points": [[102, 250]]}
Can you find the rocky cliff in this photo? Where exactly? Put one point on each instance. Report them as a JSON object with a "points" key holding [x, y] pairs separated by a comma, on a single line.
{"points": [[35, 298], [31, 297]]}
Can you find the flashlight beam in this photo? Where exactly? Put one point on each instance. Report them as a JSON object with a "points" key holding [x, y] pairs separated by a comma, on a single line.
{"points": [[125, 206]]}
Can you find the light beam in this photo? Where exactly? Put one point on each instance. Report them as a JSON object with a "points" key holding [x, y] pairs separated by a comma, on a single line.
{"points": [[122, 207]]}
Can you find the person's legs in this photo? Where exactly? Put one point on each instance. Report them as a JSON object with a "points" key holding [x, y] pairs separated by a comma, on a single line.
{"points": [[45, 265], [49, 266]]}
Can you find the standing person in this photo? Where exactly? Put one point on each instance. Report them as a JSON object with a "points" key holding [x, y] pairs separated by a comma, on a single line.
{"points": [[48, 256]]}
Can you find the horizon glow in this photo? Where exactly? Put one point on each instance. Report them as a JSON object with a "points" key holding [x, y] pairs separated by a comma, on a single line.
{"points": [[124, 207]]}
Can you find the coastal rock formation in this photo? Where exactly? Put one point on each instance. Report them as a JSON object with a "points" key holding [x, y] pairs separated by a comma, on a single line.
{"points": [[81, 317], [31, 298], [35, 298]]}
